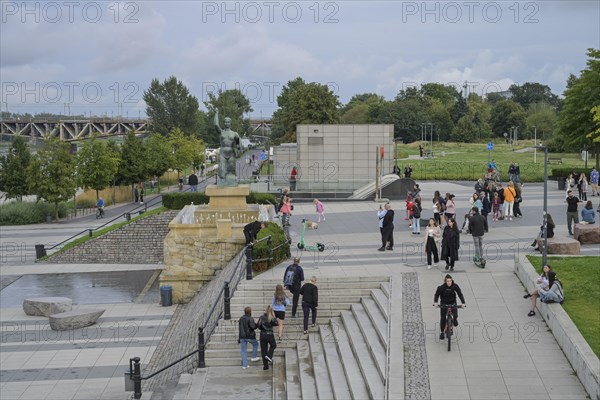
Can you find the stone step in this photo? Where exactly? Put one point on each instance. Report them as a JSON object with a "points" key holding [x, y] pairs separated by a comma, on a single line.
{"points": [[339, 286], [308, 383], [369, 335], [377, 319], [235, 346], [278, 377], [385, 288], [381, 301], [317, 354], [354, 376], [237, 309], [338, 279], [339, 384], [325, 298], [363, 356], [292, 375], [184, 386], [230, 360]]}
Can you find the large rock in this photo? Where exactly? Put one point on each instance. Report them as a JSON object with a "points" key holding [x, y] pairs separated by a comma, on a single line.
{"points": [[561, 245], [75, 319], [587, 233], [46, 306]]}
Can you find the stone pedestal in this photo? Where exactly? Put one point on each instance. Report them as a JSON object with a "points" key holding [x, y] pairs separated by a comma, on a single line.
{"points": [[587, 233], [202, 239], [561, 245]]}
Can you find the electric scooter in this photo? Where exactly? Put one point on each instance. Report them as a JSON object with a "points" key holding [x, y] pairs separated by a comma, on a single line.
{"points": [[302, 245]]}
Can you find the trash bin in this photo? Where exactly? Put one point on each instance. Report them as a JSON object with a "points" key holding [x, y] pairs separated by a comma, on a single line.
{"points": [[166, 296], [562, 183], [48, 218], [39, 251]]}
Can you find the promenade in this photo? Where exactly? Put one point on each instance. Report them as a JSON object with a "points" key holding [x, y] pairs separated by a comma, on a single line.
{"points": [[500, 352]]}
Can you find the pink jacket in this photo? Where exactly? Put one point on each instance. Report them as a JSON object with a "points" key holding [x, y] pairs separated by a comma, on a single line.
{"points": [[320, 207], [450, 207]]}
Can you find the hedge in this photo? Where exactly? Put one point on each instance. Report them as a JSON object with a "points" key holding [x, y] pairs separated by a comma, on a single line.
{"points": [[24, 213], [261, 249], [563, 172], [178, 200]]}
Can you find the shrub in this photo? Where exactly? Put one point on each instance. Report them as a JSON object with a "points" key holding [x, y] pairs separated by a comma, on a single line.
{"points": [[261, 198], [261, 249], [24, 213], [176, 201], [566, 171]]}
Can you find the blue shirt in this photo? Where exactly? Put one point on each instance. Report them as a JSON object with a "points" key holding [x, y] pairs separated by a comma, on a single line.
{"points": [[280, 307], [587, 215], [100, 203]]}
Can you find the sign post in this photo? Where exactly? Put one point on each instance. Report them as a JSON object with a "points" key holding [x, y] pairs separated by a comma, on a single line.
{"points": [[490, 147]]}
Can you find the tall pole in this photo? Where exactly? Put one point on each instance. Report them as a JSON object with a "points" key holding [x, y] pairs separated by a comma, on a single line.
{"points": [[534, 144], [431, 126], [545, 250]]}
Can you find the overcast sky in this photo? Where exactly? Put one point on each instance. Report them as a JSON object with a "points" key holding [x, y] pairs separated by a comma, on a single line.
{"points": [[99, 57]]}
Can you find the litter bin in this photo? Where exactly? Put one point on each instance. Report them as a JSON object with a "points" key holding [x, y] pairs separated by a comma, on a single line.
{"points": [[562, 183], [39, 251], [166, 296]]}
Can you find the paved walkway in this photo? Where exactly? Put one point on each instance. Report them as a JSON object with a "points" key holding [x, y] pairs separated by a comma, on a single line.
{"points": [[500, 352]]}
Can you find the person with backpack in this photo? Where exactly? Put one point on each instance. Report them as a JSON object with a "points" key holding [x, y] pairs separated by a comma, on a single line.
{"points": [[416, 216], [292, 279], [477, 228], [267, 340], [446, 293], [310, 301], [279, 302], [247, 334], [553, 294]]}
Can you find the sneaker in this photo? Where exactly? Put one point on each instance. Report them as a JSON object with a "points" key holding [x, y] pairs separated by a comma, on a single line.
{"points": [[531, 313], [429, 267], [447, 267], [389, 248], [266, 367], [381, 249], [442, 336], [451, 268], [526, 296], [246, 367], [254, 359], [269, 359], [455, 322]]}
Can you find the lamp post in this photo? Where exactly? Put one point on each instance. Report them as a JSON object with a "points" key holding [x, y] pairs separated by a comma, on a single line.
{"points": [[512, 137], [534, 144], [431, 131], [545, 223]]}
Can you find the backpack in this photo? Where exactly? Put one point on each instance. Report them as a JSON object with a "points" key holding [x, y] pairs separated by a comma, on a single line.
{"points": [[290, 276]]}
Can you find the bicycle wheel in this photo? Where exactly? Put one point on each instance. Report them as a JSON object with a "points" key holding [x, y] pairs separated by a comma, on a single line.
{"points": [[449, 328]]}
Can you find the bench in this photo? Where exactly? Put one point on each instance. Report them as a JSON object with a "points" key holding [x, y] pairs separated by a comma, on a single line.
{"points": [[46, 306], [587, 233], [427, 154], [554, 160], [75, 319], [561, 245]]}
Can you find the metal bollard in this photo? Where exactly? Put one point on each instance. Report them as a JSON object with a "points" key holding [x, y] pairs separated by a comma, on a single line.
{"points": [[227, 303], [201, 348], [137, 378], [90, 232]]}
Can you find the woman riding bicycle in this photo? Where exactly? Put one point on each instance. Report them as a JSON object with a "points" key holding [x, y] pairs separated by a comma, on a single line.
{"points": [[446, 293], [100, 206]]}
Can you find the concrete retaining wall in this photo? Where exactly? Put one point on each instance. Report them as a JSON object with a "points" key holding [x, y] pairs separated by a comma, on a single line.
{"points": [[579, 353], [140, 242]]}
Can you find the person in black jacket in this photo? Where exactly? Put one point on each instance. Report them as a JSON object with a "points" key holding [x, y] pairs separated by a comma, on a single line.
{"points": [[549, 230], [310, 301], [252, 229], [387, 231], [266, 322], [486, 209], [297, 285], [477, 228], [247, 335], [446, 293], [450, 244], [193, 182]]}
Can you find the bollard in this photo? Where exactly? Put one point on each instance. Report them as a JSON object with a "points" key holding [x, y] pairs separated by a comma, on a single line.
{"points": [[201, 348], [270, 243], [227, 303], [90, 232], [39, 251], [128, 216], [248, 262], [137, 378]]}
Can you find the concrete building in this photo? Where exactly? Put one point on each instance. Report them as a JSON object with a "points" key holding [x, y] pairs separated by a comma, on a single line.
{"points": [[334, 157]]}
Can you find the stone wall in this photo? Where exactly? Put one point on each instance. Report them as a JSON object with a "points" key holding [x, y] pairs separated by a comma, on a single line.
{"points": [[140, 242]]}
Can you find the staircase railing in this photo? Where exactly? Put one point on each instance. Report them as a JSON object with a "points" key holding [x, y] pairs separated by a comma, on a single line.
{"points": [[221, 306]]}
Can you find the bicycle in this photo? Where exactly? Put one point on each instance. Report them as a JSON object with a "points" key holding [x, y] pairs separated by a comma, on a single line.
{"points": [[99, 212], [449, 329]]}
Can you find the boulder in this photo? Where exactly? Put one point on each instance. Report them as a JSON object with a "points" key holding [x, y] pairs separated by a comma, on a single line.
{"points": [[561, 245], [46, 306], [587, 233], [75, 319]]}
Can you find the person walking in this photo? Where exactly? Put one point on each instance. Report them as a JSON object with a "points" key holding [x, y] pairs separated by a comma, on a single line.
{"points": [[572, 216], [292, 279], [293, 176], [387, 230], [136, 193], [433, 236], [594, 176], [279, 302], [438, 207], [518, 199], [450, 244], [310, 301], [486, 208], [267, 340], [496, 206], [416, 216], [477, 228], [583, 187], [380, 215], [320, 209], [247, 334], [450, 207], [142, 192], [509, 200], [446, 293], [193, 182]]}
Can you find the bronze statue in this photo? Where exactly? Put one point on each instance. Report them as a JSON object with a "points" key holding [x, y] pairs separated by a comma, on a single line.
{"points": [[230, 151]]}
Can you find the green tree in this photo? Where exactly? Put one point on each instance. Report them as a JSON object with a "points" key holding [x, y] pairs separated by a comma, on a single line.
{"points": [[532, 92], [133, 166], [51, 173], [233, 104], [357, 111], [97, 165], [544, 118], [169, 105], [480, 112], [184, 150], [465, 130], [160, 155], [447, 94], [439, 116], [506, 114], [13, 169], [575, 120]]}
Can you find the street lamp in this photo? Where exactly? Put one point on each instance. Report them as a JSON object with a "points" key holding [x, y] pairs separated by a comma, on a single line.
{"points": [[512, 137], [534, 144], [545, 223], [431, 131]]}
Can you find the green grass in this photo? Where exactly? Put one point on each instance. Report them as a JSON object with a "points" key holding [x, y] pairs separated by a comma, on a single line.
{"points": [[581, 280], [468, 161], [104, 231]]}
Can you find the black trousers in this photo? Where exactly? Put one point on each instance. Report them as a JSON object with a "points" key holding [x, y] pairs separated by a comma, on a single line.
{"points": [[443, 317], [267, 346], [431, 249], [449, 260], [305, 309], [387, 236], [295, 298]]}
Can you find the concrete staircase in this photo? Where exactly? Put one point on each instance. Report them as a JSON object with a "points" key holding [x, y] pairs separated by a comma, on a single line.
{"points": [[343, 357]]}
